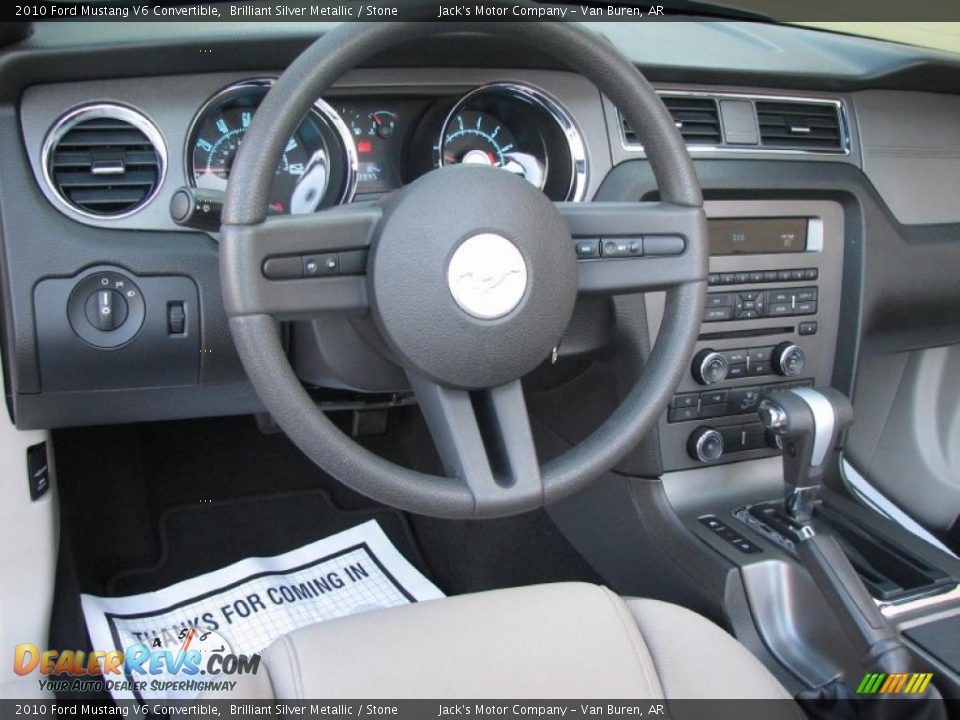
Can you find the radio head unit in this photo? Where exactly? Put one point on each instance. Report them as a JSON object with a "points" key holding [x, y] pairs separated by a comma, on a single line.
{"points": [[770, 321], [758, 235]]}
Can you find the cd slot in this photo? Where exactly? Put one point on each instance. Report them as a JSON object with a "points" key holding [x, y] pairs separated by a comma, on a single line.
{"points": [[758, 332]]}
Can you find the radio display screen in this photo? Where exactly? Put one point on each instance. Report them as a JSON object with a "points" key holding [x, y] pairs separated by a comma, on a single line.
{"points": [[757, 236]]}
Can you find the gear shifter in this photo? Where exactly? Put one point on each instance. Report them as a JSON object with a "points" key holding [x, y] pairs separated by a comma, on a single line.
{"points": [[808, 423]]}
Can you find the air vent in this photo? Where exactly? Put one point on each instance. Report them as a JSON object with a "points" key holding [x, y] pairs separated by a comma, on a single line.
{"points": [[800, 126], [105, 161], [696, 118]]}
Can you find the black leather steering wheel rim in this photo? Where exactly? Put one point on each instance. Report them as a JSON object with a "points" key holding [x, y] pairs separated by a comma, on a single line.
{"points": [[256, 334]]}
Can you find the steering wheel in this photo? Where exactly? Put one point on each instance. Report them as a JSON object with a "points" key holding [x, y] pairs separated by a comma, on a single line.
{"points": [[471, 277]]}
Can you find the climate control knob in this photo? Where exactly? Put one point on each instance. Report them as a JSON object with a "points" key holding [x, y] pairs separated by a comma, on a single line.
{"points": [[709, 367], [705, 444], [788, 359]]}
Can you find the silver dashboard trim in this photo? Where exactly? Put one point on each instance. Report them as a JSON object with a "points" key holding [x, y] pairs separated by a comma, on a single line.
{"points": [[758, 149], [579, 162], [894, 610], [93, 111]]}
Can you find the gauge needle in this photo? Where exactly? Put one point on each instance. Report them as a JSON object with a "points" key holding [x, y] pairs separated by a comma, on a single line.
{"points": [[514, 167]]}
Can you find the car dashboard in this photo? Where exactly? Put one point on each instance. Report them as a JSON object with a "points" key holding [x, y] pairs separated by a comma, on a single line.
{"points": [[113, 310]]}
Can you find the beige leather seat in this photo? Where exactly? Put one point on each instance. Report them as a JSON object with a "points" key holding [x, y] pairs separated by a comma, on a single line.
{"points": [[568, 640]]}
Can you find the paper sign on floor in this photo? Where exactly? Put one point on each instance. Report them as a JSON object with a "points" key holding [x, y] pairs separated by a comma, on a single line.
{"points": [[201, 633]]}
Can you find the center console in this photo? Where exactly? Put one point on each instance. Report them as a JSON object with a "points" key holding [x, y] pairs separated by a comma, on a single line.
{"points": [[770, 320]]}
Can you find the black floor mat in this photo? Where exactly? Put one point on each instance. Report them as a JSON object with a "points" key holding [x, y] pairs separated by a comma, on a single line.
{"points": [[200, 538]]}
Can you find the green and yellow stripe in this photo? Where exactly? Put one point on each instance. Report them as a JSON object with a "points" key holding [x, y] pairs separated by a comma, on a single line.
{"points": [[894, 683]]}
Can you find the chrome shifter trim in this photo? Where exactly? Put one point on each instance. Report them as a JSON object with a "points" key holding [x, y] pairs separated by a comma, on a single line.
{"points": [[824, 419]]}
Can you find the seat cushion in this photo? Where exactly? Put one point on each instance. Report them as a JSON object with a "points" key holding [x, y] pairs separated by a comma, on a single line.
{"points": [[567, 640]]}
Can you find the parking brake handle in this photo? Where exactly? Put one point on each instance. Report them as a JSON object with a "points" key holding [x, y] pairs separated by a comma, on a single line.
{"points": [[808, 423]]}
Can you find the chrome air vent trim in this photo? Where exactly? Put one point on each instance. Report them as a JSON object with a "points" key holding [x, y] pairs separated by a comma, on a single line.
{"points": [[95, 173], [696, 149]]}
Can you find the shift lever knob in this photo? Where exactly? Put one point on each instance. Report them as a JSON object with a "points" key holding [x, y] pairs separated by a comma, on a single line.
{"points": [[807, 424]]}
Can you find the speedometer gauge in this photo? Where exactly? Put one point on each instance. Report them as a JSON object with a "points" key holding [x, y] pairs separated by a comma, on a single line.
{"points": [[476, 138], [521, 130], [318, 165]]}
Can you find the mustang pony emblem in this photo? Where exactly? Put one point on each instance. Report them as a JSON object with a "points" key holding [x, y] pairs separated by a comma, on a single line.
{"points": [[487, 276]]}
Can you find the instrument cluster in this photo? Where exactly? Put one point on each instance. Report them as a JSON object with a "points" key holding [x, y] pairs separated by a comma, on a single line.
{"points": [[358, 147]]}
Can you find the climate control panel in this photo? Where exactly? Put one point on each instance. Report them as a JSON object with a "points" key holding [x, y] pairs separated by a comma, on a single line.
{"points": [[714, 366], [770, 320]]}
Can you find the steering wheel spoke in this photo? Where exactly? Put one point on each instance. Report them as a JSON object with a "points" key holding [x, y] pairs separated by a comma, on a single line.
{"points": [[635, 247], [299, 266], [484, 439], [483, 321]]}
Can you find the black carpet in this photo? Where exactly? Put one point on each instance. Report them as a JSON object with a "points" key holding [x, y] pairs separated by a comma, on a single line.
{"points": [[199, 538], [143, 506]]}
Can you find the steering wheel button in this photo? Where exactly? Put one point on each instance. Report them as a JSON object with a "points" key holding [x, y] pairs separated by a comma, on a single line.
{"points": [[317, 265], [587, 248], [282, 268], [662, 245]]}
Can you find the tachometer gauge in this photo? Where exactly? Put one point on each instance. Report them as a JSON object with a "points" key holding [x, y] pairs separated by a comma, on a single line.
{"points": [[318, 165]]}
